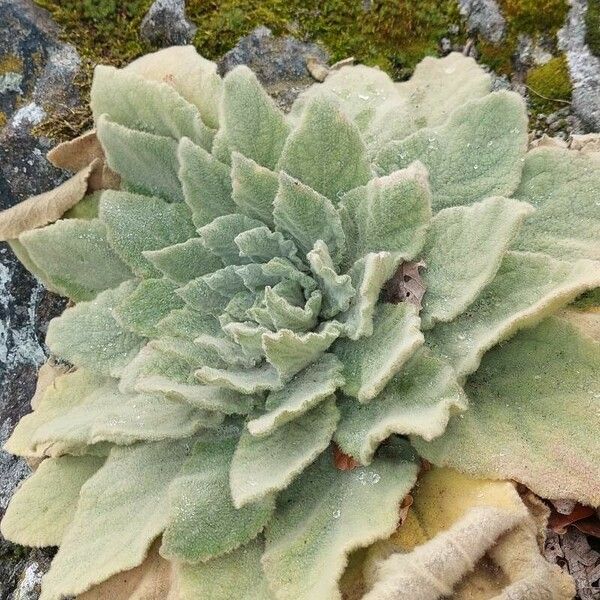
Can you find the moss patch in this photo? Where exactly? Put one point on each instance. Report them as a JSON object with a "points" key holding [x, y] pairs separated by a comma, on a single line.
{"points": [[392, 35], [10, 64], [592, 25], [550, 84]]}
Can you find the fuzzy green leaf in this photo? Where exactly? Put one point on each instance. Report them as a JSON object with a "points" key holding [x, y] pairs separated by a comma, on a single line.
{"points": [[303, 392], [147, 163], [203, 522], [527, 288], [564, 187], [44, 505], [264, 465], [389, 213], [88, 335], [125, 500], [419, 400], [475, 154], [185, 261], [463, 252], [325, 515], [139, 223], [253, 125], [151, 106], [254, 188], [370, 363], [206, 183], [246, 381], [261, 245], [306, 216], [237, 574], [75, 257], [325, 151], [533, 404]]}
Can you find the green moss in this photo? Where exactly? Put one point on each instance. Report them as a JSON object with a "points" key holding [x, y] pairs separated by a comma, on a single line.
{"points": [[550, 84], [592, 25], [588, 300], [10, 64], [392, 35]]}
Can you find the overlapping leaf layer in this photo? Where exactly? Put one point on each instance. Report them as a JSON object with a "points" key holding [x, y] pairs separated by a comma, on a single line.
{"points": [[236, 315]]}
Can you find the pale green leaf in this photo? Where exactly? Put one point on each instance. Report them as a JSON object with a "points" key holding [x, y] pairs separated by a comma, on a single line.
{"points": [[337, 289], [326, 514], [306, 216], [87, 334], [66, 251], [237, 574], [285, 315], [138, 223], [533, 404], [254, 188], [150, 106], [248, 335], [370, 363], [390, 213], [253, 125], [464, 248], [246, 381], [185, 261], [121, 509], [475, 154], [564, 187], [325, 151], [206, 183], [44, 505], [291, 352], [152, 300], [219, 236], [86, 208], [368, 275], [262, 466], [199, 296], [419, 400], [203, 522], [261, 245], [309, 387], [527, 288], [192, 76], [147, 163]]}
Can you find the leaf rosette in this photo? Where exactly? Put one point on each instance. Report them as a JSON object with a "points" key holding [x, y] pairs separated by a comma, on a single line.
{"points": [[374, 272]]}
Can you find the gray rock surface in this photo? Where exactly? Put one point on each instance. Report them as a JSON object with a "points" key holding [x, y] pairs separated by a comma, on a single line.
{"points": [[40, 79], [165, 24], [484, 17], [584, 67], [279, 62]]}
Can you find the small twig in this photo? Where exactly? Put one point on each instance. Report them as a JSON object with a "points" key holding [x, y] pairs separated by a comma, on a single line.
{"points": [[546, 97]]}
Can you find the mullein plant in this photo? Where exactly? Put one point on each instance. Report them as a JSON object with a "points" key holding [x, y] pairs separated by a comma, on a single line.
{"points": [[286, 328]]}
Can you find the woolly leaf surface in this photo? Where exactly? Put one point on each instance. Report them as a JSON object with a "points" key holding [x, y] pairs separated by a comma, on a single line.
{"points": [[203, 522], [205, 182], [325, 150], [475, 154], [326, 514], [533, 403], [463, 252], [246, 381], [253, 125], [389, 214], [151, 106], [419, 400], [44, 505], [138, 223], [146, 163], [66, 251], [370, 363], [527, 288], [564, 187], [126, 500], [237, 574], [88, 335], [309, 387]]}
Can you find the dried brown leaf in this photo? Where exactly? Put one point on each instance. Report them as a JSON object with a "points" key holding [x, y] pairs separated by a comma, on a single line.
{"points": [[406, 285]]}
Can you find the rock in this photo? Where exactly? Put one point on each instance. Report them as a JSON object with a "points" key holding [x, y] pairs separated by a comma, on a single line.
{"points": [[279, 62], [484, 17], [529, 54], [38, 79], [584, 67], [445, 46], [165, 24]]}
